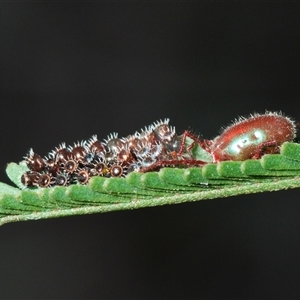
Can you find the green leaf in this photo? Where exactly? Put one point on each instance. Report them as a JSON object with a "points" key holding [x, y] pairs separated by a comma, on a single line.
{"points": [[14, 172], [138, 190], [198, 152]]}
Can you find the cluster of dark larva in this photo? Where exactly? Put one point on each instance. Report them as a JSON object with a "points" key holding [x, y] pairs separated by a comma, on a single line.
{"points": [[113, 157], [156, 146]]}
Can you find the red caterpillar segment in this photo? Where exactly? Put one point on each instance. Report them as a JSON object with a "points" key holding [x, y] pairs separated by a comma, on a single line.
{"points": [[167, 163], [253, 137]]}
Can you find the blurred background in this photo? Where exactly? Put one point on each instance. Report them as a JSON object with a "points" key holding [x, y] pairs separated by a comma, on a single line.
{"points": [[70, 70]]}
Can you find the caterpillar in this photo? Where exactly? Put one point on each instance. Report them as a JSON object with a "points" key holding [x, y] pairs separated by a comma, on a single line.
{"points": [[154, 147]]}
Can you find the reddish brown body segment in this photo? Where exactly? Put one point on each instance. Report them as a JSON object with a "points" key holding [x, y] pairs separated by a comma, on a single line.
{"points": [[252, 137]]}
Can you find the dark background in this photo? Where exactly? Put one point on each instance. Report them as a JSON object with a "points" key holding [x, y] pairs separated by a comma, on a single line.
{"points": [[70, 70]]}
